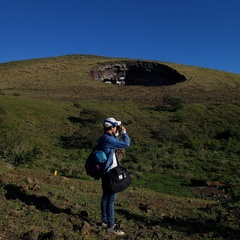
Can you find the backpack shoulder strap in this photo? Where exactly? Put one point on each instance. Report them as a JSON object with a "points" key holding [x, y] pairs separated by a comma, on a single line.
{"points": [[100, 141]]}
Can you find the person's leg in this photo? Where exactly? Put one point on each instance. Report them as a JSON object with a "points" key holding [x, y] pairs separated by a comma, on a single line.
{"points": [[107, 207], [107, 203], [104, 208], [112, 227], [104, 201], [110, 209]]}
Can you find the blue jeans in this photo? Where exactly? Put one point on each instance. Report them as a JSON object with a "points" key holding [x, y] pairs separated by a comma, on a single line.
{"points": [[107, 208]]}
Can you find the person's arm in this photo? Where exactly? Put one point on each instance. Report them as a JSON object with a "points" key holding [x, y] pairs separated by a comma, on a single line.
{"points": [[113, 142]]}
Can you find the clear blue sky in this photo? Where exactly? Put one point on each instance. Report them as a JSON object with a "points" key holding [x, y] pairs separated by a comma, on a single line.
{"points": [[204, 33]]}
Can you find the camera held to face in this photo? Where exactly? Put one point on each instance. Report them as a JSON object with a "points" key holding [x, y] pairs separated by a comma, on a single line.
{"points": [[119, 128]]}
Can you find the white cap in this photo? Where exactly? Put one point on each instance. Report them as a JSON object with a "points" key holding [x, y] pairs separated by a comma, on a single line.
{"points": [[111, 122]]}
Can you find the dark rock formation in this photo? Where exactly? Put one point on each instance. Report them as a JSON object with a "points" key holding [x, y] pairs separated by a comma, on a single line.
{"points": [[136, 73]]}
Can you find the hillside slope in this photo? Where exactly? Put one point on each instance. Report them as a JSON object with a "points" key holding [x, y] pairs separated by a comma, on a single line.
{"points": [[68, 78], [183, 160], [37, 205]]}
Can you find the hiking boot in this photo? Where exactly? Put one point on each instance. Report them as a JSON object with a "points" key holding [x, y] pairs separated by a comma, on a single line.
{"points": [[104, 225], [115, 230]]}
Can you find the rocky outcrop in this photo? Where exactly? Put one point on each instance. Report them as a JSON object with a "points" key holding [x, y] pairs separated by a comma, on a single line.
{"points": [[136, 73]]}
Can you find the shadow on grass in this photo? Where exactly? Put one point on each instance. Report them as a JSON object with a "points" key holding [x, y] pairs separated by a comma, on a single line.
{"points": [[40, 202], [188, 226]]}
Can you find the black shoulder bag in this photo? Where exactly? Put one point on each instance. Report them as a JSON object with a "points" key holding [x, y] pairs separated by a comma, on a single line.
{"points": [[119, 179]]}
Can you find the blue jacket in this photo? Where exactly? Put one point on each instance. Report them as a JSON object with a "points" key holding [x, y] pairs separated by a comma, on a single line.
{"points": [[109, 143]]}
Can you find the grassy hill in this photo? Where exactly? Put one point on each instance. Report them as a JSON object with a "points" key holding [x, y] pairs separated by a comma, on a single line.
{"points": [[51, 113], [67, 78]]}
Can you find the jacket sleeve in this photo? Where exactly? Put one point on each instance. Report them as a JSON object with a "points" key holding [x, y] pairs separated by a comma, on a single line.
{"points": [[113, 142]]}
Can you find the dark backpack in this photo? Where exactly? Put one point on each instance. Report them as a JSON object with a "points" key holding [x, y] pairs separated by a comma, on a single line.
{"points": [[96, 161]]}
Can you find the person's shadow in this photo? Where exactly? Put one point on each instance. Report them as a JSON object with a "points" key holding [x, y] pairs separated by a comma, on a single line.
{"points": [[40, 202]]}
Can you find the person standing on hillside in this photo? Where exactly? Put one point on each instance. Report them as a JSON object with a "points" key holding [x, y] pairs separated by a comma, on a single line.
{"points": [[110, 142]]}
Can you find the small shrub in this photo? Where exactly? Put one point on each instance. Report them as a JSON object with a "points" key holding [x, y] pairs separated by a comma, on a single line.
{"points": [[170, 104], [165, 134], [2, 111], [27, 157]]}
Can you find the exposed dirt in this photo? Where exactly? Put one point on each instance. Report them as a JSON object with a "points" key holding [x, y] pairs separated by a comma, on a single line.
{"points": [[210, 190]]}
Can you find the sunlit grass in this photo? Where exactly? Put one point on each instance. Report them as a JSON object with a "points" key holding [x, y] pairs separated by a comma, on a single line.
{"points": [[54, 105]]}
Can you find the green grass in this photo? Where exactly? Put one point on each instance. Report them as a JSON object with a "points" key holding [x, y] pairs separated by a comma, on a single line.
{"points": [[51, 114], [164, 183], [191, 140], [141, 212]]}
